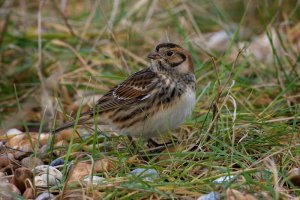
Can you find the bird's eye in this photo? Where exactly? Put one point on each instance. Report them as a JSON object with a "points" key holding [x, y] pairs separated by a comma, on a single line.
{"points": [[169, 53]]}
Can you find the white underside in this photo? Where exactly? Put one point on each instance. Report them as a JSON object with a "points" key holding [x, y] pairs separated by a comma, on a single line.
{"points": [[166, 119]]}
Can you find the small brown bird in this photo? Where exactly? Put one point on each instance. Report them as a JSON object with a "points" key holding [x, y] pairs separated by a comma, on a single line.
{"points": [[151, 101]]}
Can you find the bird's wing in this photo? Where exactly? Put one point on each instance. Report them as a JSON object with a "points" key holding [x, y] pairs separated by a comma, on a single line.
{"points": [[136, 88]]}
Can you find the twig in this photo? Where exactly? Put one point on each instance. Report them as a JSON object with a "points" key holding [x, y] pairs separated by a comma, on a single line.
{"points": [[87, 24], [216, 102], [39, 63], [63, 16], [113, 15], [45, 98], [77, 54], [150, 13]]}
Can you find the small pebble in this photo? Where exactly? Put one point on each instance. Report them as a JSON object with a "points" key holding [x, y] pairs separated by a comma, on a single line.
{"points": [[294, 176], [6, 159], [95, 180], [13, 131], [46, 176], [2, 175], [19, 155], [45, 196], [8, 191], [46, 180], [210, 196], [2, 145], [57, 162], [223, 179], [31, 162], [146, 174], [46, 169]]}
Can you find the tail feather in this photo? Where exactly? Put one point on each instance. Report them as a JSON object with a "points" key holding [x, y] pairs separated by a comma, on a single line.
{"points": [[70, 124]]}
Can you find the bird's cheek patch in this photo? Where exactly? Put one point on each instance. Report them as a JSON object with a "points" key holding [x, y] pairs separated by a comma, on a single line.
{"points": [[178, 59], [176, 62]]}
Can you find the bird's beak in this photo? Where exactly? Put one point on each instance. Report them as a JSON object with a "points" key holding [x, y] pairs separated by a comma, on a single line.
{"points": [[154, 56]]}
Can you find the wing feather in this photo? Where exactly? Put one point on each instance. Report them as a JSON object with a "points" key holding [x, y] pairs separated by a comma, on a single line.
{"points": [[136, 88]]}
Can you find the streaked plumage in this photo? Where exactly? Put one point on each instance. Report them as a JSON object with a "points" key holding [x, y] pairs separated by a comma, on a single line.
{"points": [[151, 101]]}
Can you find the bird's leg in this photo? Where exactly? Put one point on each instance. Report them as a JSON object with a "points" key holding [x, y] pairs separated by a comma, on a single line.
{"points": [[132, 143], [105, 139], [98, 131], [155, 147], [152, 142]]}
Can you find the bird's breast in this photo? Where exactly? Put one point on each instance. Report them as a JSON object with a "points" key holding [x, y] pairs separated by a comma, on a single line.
{"points": [[164, 116]]}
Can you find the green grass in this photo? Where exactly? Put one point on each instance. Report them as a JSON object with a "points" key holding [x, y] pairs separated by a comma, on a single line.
{"points": [[246, 120]]}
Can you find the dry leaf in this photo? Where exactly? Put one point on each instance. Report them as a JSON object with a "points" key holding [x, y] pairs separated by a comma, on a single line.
{"points": [[294, 33], [22, 175], [104, 165]]}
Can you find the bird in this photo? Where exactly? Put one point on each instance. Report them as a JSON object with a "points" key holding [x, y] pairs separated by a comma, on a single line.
{"points": [[151, 101]]}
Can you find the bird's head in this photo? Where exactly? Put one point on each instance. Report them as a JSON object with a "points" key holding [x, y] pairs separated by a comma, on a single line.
{"points": [[171, 57]]}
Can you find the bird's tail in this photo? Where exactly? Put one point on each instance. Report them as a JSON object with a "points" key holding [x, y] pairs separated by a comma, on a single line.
{"points": [[80, 121]]}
